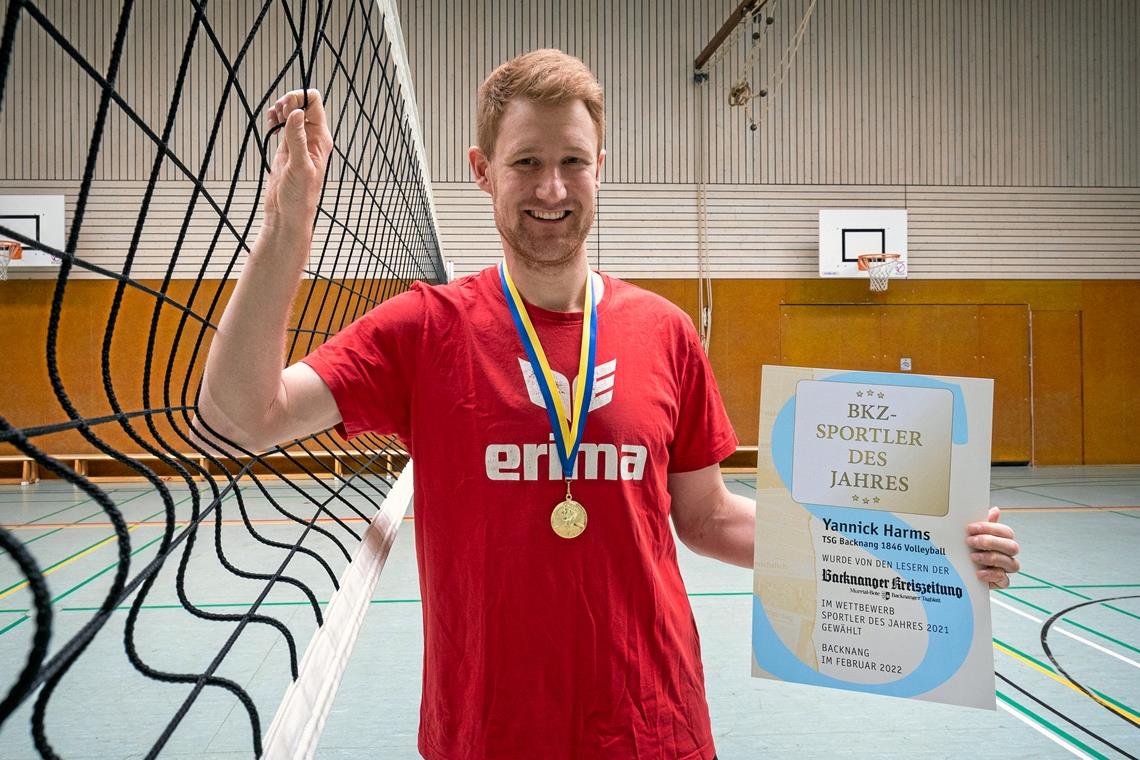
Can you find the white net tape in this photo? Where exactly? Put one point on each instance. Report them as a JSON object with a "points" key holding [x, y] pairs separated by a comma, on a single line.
{"points": [[5, 257]]}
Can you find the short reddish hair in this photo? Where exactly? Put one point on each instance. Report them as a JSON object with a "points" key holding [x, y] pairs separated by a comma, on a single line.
{"points": [[546, 76]]}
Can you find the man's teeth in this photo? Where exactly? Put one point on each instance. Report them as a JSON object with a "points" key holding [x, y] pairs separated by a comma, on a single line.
{"points": [[549, 215]]}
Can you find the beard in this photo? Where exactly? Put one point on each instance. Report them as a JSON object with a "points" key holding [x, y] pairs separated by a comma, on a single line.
{"points": [[554, 250]]}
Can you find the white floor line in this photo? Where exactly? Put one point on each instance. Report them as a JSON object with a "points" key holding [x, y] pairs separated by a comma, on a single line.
{"points": [[1060, 630], [1042, 730]]}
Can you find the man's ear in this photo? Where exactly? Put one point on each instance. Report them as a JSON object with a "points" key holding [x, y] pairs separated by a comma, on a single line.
{"points": [[480, 165], [598, 171]]}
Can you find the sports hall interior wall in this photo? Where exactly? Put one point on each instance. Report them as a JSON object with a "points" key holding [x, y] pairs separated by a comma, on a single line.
{"points": [[1010, 131]]}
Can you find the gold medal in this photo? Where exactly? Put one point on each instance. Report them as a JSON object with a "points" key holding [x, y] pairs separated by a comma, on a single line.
{"points": [[568, 518]]}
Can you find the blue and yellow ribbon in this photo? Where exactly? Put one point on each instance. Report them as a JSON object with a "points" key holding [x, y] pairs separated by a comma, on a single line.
{"points": [[567, 433]]}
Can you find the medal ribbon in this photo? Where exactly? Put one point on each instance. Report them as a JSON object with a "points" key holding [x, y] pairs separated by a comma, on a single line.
{"points": [[567, 433]]}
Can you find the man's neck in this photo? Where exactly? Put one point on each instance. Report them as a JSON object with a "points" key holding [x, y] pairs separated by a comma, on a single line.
{"points": [[552, 288]]}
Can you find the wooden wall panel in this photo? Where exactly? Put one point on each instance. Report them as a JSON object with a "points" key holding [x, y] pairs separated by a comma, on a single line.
{"points": [[1058, 435], [1111, 357], [746, 334], [1004, 354], [839, 337], [959, 340], [26, 397]]}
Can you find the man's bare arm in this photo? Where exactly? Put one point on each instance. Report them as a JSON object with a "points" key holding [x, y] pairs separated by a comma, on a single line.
{"points": [[710, 519], [246, 396], [714, 522]]}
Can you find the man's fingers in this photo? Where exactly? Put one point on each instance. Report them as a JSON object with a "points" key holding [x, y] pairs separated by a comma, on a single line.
{"points": [[998, 560], [996, 578], [992, 542], [295, 137], [989, 529], [313, 106]]}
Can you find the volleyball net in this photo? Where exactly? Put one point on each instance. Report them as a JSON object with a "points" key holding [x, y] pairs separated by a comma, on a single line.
{"points": [[132, 172]]}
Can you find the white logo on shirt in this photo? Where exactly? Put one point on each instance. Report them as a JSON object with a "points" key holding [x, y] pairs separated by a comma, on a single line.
{"points": [[595, 461], [604, 375]]}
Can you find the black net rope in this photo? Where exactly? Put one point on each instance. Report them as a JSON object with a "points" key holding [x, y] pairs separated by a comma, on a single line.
{"points": [[373, 235]]}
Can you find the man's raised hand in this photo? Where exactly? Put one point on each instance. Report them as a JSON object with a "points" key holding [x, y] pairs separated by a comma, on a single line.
{"points": [[294, 185]]}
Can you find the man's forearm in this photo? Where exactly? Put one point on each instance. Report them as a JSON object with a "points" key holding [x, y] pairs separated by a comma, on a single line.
{"points": [[243, 370], [729, 531]]}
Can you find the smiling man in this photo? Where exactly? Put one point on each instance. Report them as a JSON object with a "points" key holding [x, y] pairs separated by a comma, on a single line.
{"points": [[558, 419]]}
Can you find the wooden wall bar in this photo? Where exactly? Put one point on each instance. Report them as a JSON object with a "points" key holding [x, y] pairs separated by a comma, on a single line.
{"points": [[1085, 358]]}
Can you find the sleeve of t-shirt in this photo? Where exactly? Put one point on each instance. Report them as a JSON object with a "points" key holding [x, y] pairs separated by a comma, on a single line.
{"points": [[369, 366], [704, 434]]}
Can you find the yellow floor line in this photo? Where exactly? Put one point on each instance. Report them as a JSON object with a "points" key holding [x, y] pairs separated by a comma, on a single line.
{"points": [[69, 560], [1127, 715], [131, 527]]}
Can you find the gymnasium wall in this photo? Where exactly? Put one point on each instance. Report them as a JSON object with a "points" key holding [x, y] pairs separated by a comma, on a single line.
{"points": [[1009, 129]]}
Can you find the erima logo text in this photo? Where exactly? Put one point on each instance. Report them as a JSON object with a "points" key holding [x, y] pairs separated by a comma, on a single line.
{"points": [[597, 461]]}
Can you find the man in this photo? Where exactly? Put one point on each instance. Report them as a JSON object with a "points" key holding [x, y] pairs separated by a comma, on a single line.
{"points": [[557, 418]]}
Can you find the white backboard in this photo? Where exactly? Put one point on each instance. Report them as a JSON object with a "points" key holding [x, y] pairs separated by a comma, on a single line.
{"points": [[39, 217], [845, 233]]}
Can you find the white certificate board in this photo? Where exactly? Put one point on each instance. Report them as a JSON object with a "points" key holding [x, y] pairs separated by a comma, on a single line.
{"points": [[863, 580]]}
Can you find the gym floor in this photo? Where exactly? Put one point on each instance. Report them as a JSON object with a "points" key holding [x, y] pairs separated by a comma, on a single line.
{"points": [[1078, 526]]}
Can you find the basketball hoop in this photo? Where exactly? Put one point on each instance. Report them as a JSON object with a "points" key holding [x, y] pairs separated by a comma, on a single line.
{"points": [[880, 267], [10, 251]]}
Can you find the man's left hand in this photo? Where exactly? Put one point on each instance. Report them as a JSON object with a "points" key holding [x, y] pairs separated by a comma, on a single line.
{"points": [[994, 549]]}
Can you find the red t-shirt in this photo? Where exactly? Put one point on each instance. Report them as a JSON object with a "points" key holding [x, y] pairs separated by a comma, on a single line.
{"points": [[538, 646]]}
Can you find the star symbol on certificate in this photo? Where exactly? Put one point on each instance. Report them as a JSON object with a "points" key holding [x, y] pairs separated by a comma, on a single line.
{"points": [[882, 395], [859, 394], [866, 500], [870, 391], [876, 499], [855, 499]]}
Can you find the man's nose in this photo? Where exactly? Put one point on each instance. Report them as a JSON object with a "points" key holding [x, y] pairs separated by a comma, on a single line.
{"points": [[551, 186]]}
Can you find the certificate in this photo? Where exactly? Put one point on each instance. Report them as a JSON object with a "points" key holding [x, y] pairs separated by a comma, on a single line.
{"points": [[863, 581]]}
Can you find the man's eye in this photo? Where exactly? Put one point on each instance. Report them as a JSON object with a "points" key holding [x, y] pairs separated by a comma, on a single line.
{"points": [[525, 162]]}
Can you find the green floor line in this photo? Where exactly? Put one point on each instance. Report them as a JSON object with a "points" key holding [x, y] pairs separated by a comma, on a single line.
{"points": [[1051, 669], [72, 506], [73, 589], [1073, 623], [94, 514], [10, 626], [1069, 590], [1051, 727], [67, 559], [13, 612]]}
